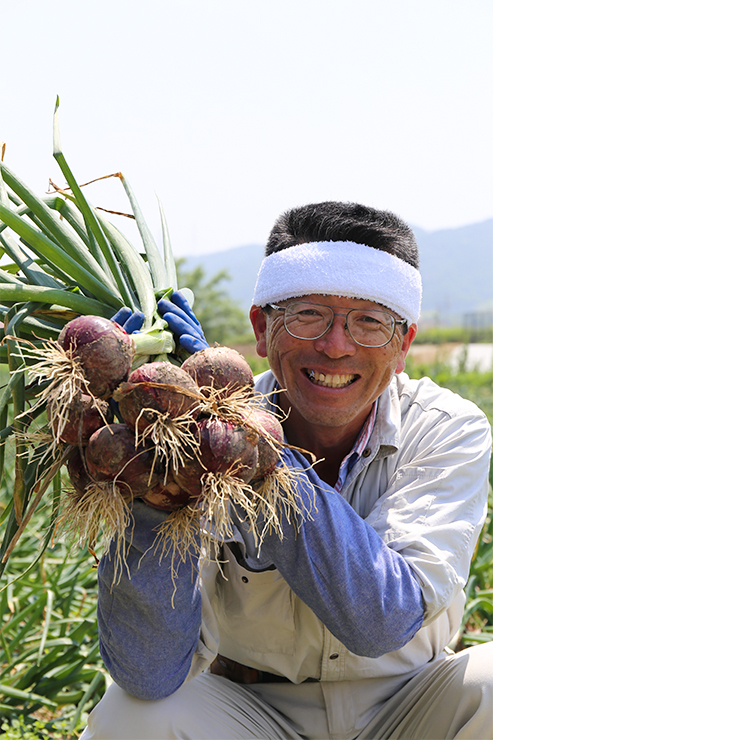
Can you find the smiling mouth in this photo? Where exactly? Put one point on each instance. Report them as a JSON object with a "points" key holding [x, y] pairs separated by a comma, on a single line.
{"points": [[330, 381]]}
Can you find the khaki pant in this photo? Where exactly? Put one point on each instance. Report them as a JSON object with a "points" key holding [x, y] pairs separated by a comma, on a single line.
{"points": [[451, 698]]}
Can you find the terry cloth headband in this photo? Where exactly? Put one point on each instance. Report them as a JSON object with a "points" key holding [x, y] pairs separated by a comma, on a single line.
{"points": [[344, 269]]}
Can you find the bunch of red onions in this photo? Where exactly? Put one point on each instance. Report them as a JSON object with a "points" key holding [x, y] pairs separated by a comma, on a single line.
{"points": [[130, 416], [192, 440]]}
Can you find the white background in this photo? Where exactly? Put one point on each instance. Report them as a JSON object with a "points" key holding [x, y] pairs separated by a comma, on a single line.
{"points": [[616, 370]]}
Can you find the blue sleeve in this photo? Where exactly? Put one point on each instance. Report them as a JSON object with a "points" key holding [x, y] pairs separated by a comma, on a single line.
{"points": [[148, 635], [364, 592]]}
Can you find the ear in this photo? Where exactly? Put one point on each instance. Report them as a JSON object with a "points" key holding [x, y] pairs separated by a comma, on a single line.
{"points": [[259, 325], [407, 339]]}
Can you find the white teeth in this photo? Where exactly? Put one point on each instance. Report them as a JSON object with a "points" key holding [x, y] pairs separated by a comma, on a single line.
{"points": [[330, 381]]}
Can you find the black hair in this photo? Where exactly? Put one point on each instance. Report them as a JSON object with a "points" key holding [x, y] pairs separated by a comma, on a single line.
{"points": [[333, 222]]}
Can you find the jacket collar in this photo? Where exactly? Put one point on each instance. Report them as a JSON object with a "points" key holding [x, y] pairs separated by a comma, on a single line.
{"points": [[385, 438]]}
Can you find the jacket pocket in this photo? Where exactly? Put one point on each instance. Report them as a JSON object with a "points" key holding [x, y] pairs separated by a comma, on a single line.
{"points": [[255, 611]]}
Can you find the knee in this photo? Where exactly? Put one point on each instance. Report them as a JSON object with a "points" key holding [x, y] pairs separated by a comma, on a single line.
{"points": [[120, 716], [478, 666], [476, 689]]}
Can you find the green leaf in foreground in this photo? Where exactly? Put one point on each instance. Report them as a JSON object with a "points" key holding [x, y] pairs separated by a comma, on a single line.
{"points": [[17, 293], [156, 264], [46, 248], [55, 228]]}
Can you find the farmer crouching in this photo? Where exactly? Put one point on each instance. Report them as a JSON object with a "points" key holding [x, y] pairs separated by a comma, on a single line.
{"points": [[339, 628]]}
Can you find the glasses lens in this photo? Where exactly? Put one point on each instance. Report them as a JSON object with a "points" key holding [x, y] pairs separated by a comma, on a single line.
{"points": [[307, 320], [370, 327]]}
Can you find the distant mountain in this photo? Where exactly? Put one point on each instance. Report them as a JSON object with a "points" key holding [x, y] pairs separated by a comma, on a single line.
{"points": [[456, 270]]}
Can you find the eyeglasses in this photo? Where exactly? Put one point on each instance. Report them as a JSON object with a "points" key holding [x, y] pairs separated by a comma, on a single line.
{"points": [[368, 327]]}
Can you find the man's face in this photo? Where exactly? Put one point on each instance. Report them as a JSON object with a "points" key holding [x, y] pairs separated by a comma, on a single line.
{"points": [[330, 381]]}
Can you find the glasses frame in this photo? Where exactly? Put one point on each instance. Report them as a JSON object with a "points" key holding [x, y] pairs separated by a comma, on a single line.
{"points": [[396, 322]]}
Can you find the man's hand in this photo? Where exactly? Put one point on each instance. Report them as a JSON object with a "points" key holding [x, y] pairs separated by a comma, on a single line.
{"points": [[130, 321], [182, 323]]}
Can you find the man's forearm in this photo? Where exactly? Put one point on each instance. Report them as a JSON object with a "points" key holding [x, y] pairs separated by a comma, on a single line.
{"points": [[149, 619], [364, 592]]}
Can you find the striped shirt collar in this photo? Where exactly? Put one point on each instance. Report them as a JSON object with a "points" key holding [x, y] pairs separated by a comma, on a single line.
{"points": [[356, 451]]}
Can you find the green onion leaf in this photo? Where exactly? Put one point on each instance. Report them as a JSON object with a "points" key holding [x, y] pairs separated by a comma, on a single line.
{"points": [[54, 227], [169, 258], [47, 249], [156, 265]]}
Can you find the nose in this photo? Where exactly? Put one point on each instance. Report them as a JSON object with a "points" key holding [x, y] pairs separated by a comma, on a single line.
{"points": [[336, 342]]}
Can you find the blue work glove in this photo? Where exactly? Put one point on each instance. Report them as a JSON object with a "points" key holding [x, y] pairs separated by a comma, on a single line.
{"points": [[130, 321], [182, 323]]}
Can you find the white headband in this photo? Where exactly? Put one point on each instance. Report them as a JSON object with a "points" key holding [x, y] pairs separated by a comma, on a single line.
{"points": [[344, 269]]}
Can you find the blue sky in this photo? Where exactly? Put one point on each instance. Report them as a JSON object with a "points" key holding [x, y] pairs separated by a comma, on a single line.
{"points": [[231, 112]]}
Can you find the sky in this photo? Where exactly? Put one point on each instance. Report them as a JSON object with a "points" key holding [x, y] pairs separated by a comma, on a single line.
{"points": [[231, 112], [604, 140]]}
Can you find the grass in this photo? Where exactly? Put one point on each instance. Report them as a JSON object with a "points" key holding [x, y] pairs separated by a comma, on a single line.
{"points": [[443, 334], [474, 385], [51, 673]]}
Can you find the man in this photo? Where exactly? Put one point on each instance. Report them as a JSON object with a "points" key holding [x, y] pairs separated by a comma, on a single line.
{"points": [[339, 628]]}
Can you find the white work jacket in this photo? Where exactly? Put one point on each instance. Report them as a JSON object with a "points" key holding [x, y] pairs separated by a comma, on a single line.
{"points": [[422, 485]]}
